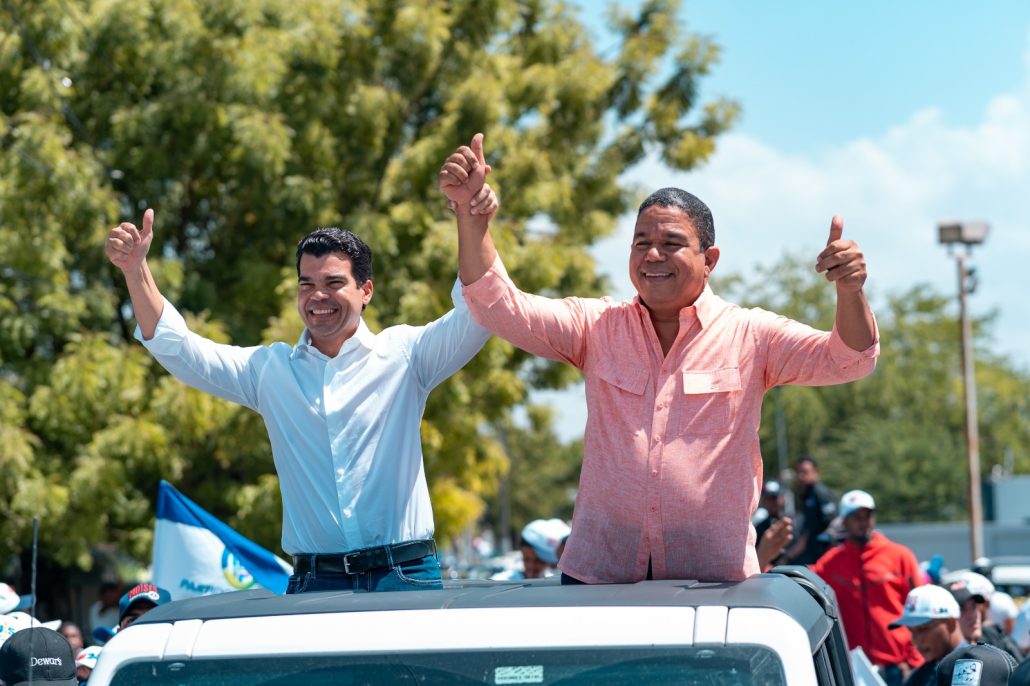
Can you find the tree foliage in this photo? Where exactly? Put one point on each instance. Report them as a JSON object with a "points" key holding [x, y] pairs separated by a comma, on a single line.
{"points": [[246, 124], [542, 477], [899, 433]]}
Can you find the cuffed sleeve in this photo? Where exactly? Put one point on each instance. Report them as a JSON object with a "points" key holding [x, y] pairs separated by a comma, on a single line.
{"points": [[489, 288], [847, 357], [169, 334]]}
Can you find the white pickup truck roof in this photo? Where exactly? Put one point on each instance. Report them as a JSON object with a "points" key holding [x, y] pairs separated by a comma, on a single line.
{"points": [[786, 618]]}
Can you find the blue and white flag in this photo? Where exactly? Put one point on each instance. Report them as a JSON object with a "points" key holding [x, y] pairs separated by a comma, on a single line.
{"points": [[197, 554]]}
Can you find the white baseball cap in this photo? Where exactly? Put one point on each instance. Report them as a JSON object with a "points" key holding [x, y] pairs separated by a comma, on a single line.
{"points": [[1002, 608], [11, 601], [977, 584], [22, 620], [852, 501], [544, 535], [925, 604], [87, 657]]}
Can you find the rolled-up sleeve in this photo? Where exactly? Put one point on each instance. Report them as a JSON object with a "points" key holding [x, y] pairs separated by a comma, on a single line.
{"points": [[846, 358], [799, 354]]}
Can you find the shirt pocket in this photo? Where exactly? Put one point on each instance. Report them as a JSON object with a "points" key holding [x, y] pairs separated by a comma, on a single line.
{"points": [[628, 378], [711, 398]]}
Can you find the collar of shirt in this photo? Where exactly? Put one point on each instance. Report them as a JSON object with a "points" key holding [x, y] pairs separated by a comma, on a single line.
{"points": [[705, 308], [363, 337]]}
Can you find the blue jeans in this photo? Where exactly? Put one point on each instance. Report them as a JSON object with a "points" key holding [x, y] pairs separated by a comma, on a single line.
{"points": [[417, 575]]}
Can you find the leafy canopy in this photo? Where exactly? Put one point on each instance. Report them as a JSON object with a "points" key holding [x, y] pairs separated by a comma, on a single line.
{"points": [[245, 125]]}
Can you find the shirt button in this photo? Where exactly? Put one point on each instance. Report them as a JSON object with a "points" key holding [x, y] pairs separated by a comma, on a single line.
{"points": [[654, 472], [658, 439], [654, 508], [661, 406]]}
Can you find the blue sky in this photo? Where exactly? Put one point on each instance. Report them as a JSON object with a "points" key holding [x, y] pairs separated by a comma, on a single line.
{"points": [[892, 115]]}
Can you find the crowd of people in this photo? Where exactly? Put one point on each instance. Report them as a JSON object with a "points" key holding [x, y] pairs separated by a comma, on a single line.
{"points": [[55, 651], [908, 617], [913, 620]]}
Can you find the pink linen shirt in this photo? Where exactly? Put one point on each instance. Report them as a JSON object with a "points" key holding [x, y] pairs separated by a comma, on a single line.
{"points": [[671, 463]]}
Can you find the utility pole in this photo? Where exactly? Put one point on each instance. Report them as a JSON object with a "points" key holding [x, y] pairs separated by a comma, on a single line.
{"points": [[968, 234]]}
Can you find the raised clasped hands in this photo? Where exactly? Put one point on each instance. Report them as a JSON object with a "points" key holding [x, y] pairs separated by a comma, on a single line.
{"points": [[463, 180]]}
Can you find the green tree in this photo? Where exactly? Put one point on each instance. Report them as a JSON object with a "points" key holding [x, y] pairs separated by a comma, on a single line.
{"points": [[899, 433], [543, 473], [246, 124]]}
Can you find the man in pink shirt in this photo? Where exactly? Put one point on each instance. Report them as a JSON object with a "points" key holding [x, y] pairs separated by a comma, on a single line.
{"points": [[674, 383]]}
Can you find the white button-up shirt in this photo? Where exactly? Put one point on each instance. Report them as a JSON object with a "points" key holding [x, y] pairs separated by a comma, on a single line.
{"points": [[345, 431]]}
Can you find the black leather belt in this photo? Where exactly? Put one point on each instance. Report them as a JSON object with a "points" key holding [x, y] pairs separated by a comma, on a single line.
{"points": [[364, 560]]}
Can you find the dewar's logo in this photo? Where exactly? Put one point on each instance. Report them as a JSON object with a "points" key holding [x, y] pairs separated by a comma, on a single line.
{"points": [[234, 572], [44, 661]]}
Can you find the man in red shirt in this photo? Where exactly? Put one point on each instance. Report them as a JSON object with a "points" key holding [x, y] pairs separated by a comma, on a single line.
{"points": [[871, 577]]}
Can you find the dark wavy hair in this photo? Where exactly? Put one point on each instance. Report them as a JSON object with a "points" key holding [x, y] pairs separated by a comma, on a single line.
{"points": [[331, 239]]}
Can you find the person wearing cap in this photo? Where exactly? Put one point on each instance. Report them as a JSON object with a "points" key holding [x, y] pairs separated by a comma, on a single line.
{"points": [[23, 620], [931, 615], [978, 664], [39, 656], [770, 507], [674, 385], [11, 601], [343, 406], [773, 528], [539, 545], [1002, 612], [871, 577], [540, 542], [139, 600], [86, 662], [972, 593]]}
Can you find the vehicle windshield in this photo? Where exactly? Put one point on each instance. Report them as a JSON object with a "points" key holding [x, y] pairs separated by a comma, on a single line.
{"points": [[696, 666]]}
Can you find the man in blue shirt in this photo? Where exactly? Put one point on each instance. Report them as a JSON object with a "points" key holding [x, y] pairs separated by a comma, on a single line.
{"points": [[342, 407]]}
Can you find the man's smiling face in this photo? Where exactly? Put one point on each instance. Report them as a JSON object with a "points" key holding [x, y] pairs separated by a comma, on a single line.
{"points": [[329, 300], [666, 263]]}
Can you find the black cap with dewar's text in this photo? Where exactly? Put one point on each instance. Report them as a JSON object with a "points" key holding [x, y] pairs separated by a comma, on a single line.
{"points": [[39, 654]]}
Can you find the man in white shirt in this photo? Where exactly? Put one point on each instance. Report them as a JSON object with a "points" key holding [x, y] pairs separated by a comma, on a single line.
{"points": [[342, 408]]}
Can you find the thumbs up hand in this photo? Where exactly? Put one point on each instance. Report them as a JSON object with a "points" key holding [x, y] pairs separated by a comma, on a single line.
{"points": [[841, 260], [127, 246], [464, 173]]}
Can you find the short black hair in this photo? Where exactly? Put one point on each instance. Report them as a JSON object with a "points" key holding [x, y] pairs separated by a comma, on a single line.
{"points": [[691, 205], [332, 239], [806, 458]]}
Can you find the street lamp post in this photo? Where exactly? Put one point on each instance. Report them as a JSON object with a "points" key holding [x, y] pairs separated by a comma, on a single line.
{"points": [[968, 234]]}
